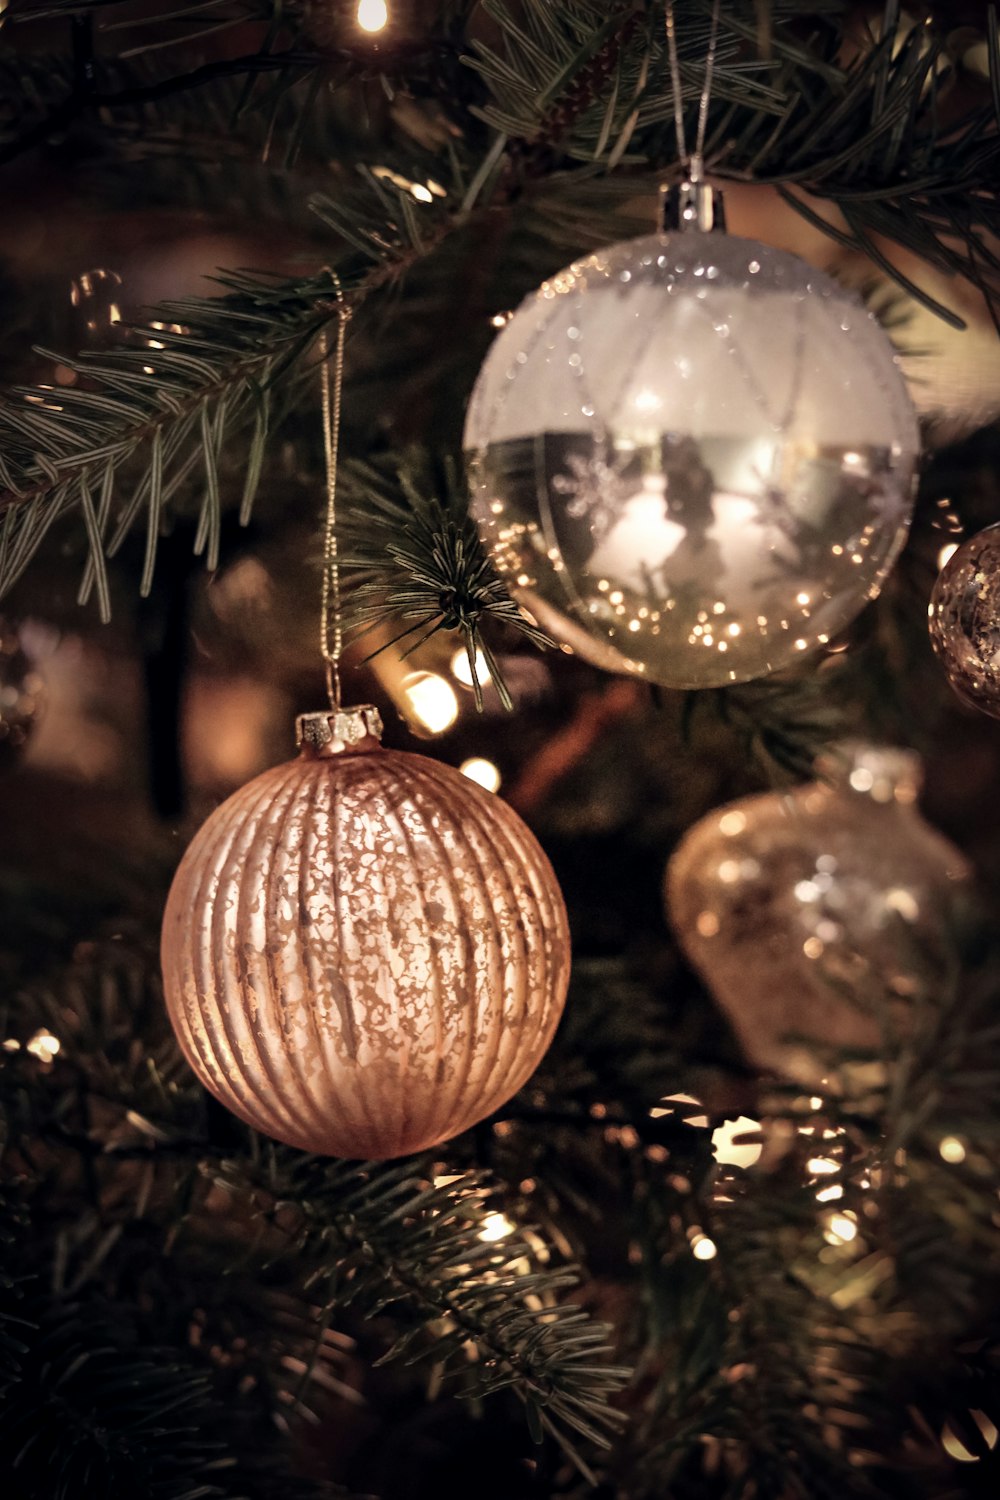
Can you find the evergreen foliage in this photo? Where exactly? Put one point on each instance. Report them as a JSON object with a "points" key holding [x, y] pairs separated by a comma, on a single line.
{"points": [[181, 1302]]}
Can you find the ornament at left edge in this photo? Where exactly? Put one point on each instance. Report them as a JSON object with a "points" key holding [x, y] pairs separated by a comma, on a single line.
{"points": [[364, 953], [22, 695]]}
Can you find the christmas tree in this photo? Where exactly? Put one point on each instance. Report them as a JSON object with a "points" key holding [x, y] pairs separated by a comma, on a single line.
{"points": [[567, 426]]}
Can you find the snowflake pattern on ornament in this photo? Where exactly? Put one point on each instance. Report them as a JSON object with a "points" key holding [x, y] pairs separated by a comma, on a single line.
{"points": [[598, 489]]}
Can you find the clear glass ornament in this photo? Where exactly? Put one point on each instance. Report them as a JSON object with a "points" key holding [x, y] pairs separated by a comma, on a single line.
{"points": [[692, 457], [964, 620], [363, 951], [820, 913]]}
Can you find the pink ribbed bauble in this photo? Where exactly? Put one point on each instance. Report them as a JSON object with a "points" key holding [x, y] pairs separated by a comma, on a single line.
{"points": [[363, 952]]}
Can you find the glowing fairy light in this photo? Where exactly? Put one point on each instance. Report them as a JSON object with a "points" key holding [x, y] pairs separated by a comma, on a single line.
{"points": [[430, 701], [496, 1227], [462, 671], [821, 1166], [373, 15], [703, 1248], [946, 554], [841, 1229], [482, 771], [728, 1147], [956, 1449], [952, 1150], [44, 1046]]}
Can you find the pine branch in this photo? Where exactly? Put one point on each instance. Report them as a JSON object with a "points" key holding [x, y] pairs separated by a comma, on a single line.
{"points": [[91, 1412], [418, 559], [153, 418], [875, 136], [381, 1238]]}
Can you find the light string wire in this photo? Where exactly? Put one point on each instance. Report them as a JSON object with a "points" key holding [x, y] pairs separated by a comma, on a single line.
{"points": [[696, 161], [331, 630]]}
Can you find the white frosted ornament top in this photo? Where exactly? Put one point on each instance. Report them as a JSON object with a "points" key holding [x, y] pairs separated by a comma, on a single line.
{"points": [[693, 457]]}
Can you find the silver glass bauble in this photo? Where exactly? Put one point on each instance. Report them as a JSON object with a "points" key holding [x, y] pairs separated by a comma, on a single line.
{"points": [[692, 457]]}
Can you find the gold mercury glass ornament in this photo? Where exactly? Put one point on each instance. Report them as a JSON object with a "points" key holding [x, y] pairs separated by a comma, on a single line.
{"points": [[363, 952], [692, 456], [819, 915]]}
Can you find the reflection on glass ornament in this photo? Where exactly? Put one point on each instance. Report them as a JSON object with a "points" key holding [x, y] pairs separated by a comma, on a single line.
{"points": [[96, 299], [363, 951], [821, 914], [22, 696], [964, 620], [692, 457]]}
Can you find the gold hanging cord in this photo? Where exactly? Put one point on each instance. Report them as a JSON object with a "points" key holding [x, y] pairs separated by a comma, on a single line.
{"points": [[331, 640]]}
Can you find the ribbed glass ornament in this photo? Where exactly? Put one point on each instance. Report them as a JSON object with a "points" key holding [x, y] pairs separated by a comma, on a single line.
{"points": [[364, 952]]}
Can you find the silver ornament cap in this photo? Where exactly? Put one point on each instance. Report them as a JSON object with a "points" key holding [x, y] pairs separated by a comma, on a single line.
{"points": [[691, 204], [337, 731]]}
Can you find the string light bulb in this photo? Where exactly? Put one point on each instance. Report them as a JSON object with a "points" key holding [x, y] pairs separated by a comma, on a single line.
{"points": [[841, 1229], [729, 1146], [496, 1227], [44, 1046], [430, 702], [462, 671], [373, 15], [483, 772]]}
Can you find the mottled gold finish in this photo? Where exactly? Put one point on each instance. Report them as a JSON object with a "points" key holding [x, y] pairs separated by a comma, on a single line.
{"points": [[364, 953], [820, 916]]}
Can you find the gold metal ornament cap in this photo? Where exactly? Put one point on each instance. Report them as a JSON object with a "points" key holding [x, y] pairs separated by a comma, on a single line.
{"points": [[339, 731]]}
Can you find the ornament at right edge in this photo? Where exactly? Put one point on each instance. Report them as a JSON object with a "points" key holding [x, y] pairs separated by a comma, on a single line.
{"points": [[692, 457], [808, 912], [964, 620]]}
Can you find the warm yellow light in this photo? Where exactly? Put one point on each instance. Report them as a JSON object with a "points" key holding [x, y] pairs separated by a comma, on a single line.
{"points": [[956, 1449], [702, 1248], [730, 1151], [44, 1046], [841, 1229], [947, 553], [668, 1106], [462, 672], [820, 1166], [431, 701], [496, 1227], [952, 1149], [373, 15], [481, 771]]}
